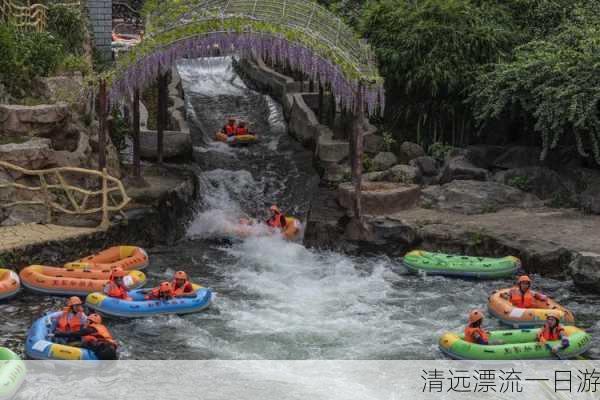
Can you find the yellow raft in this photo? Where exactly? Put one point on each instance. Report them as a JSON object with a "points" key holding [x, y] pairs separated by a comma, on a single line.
{"points": [[237, 140]]}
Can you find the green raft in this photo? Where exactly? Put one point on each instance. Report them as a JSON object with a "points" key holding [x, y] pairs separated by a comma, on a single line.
{"points": [[12, 373], [518, 345], [420, 261]]}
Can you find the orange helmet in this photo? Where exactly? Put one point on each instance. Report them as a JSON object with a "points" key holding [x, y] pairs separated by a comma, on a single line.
{"points": [[524, 278], [475, 316], [554, 315], [95, 318], [275, 209], [165, 287], [117, 272], [74, 301], [181, 275]]}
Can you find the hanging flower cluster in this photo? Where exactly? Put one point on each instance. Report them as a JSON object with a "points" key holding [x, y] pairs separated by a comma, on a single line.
{"points": [[161, 59]]}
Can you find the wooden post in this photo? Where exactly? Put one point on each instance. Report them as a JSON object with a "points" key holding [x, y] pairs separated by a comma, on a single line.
{"points": [[105, 224], [102, 102], [161, 116], [356, 144], [137, 167], [321, 103]]}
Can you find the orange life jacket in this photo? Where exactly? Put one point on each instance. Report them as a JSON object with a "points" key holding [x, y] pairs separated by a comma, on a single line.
{"points": [[547, 334], [102, 334], [242, 131], [178, 291], [229, 130], [69, 322], [155, 295], [470, 334], [116, 291], [520, 299], [276, 221]]}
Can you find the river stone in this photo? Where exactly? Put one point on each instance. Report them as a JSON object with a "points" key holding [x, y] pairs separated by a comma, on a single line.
{"points": [[404, 174], [373, 144], [427, 165], [32, 120], [384, 160], [409, 151], [376, 176], [541, 181], [475, 197], [460, 168], [335, 173], [380, 198], [585, 271]]}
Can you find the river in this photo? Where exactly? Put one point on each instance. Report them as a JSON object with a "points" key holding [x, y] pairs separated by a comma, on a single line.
{"points": [[276, 299]]}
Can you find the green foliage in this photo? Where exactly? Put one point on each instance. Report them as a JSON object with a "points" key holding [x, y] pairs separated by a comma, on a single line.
{"points": [[388, 141], [75, 63], [520, 182], [439, 151], [10, 67], [42, 52], [120, 130], [553, 81], [429, 52], [67, 24], [367, 163]]}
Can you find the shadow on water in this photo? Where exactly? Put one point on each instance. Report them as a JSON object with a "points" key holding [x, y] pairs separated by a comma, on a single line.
{"points": [[277, 299]]}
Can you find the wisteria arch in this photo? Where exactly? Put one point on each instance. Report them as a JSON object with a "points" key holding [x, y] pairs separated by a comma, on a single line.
{"points": [[197, 28]]}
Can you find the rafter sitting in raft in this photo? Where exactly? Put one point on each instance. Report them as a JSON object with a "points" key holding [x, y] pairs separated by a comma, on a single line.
{"points": [[552, 331], [181, 285], [95, 337], [163, 292], [72, 319], [116, 286], [522, 296]]}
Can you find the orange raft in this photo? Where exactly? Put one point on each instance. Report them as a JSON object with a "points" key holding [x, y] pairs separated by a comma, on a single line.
{"points": [[9, 283], [520, 318], [73, 282], [237, 139], [290, 232], [126, 257]]}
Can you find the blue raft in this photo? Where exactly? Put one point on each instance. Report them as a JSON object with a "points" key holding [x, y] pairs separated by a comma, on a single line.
{"points": [[38, 347], [139, 307]]}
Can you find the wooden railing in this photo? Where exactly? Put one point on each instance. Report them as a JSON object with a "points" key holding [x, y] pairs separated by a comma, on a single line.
{"points": [[28, 17], [55, 190]]}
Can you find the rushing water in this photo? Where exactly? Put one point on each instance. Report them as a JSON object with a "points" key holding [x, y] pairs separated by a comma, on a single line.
{"points": [[276, 299]]}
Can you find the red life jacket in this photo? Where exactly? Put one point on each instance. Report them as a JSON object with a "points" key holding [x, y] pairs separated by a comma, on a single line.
{"points": [[470, 334], [547, 334], [178, 291], [155, 295], [69, 322], [230, 130], [118, 292], [520, 299], [242, 131], [102, 334], [276, 221]]}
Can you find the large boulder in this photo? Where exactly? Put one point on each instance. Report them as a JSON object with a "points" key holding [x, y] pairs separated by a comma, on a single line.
{"points": [[427, 165], [32, 120], [404, 174], [384, 160], [475, 197], [460, 168], [68, 89], [380, 198], [176, 144], [409, 151], [335, 173], [35, 153], [483, 156], [518, 157], [373, 144], [585, 271], [541, 181]]}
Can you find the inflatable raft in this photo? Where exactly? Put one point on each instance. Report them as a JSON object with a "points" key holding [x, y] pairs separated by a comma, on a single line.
{"points": [[73, 282], [237, 140], [139, 307], [245, 229], [38, 347], [126, 257], [502, 308], [12, 373], [460, 266], [9, 283], [517, 345]]}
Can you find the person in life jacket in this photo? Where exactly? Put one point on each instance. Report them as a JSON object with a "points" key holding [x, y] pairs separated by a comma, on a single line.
{"points": [[115, 287], [553, 331], [474, 333], [163, 292], [277, 219], [181, 286], [230, 128], [72, 319], [95, 337], [522, 296], [242, 129]]}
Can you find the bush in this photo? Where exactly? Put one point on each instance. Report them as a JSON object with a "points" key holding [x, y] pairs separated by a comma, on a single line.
{"points": [[73, 63], [12, 71], [67, 24], [42, 53]]}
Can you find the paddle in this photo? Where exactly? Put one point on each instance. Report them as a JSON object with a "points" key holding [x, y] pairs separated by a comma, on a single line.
{"points": [[557, 355]]}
